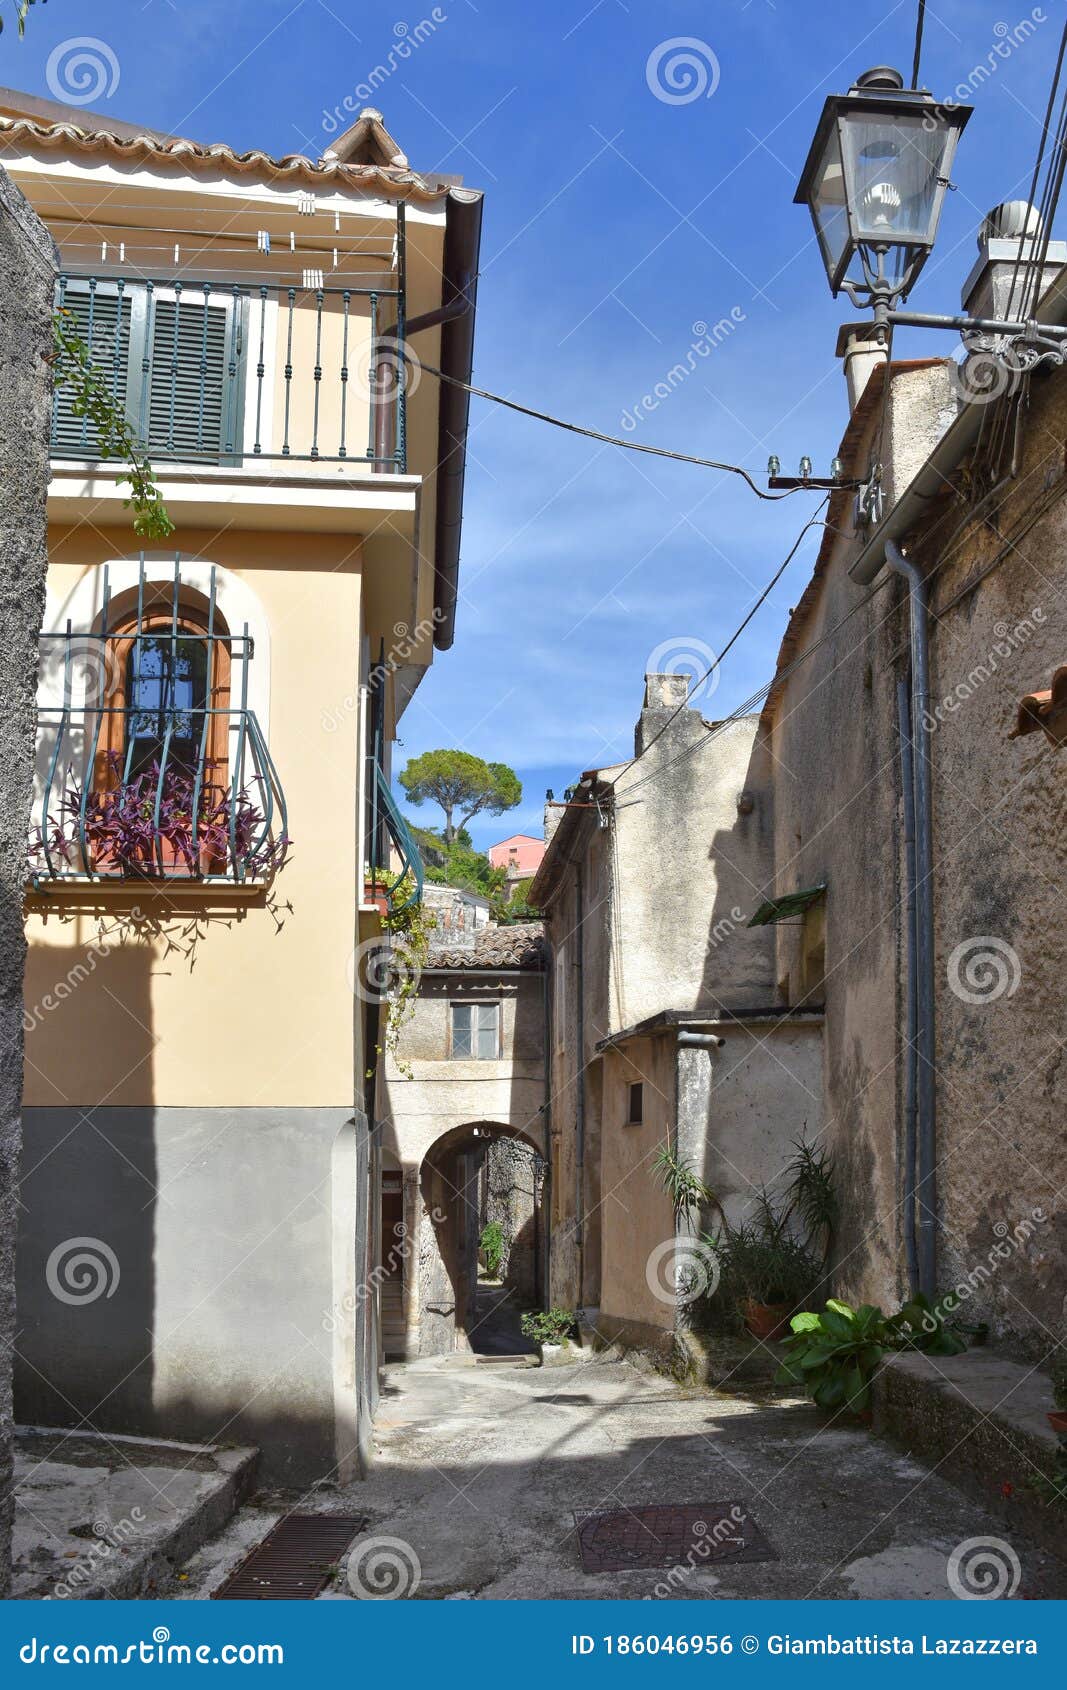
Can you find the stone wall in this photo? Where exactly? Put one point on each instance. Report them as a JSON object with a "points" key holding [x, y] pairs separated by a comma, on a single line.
{"points": [[27, 273], [512, 1177]]}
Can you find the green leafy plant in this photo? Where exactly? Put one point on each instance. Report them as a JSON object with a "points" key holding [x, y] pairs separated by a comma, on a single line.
{"points": [[91, 397], [409, 925], [493, 1245], [549, 1326], [686, 1190], [835, 1353], [763, 1266], [21, 7]]}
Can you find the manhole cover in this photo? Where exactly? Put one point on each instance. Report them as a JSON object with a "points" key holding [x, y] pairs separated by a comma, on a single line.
{"points": [[294, 1561], [667, 1535]]}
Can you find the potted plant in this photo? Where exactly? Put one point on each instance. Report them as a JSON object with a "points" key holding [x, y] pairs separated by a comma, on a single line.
{"points": [[767, 1273], [1058, 1416]]}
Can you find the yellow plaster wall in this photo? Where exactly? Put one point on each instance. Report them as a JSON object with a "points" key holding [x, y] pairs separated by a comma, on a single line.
{"points": [[260, 1014]]}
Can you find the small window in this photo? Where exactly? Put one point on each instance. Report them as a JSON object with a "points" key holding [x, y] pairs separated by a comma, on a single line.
{"points": [[637, 1105], [476, 1031]]}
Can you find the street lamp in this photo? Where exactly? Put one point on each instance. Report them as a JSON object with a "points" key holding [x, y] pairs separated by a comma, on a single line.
{"points": [[875, 182]]}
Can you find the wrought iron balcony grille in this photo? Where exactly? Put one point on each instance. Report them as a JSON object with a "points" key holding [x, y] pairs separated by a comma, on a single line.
{"points": [[151, 763], [220, 372], [388, 834]]}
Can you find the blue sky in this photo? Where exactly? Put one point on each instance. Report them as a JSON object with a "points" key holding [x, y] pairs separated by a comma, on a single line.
{"points": [[616, 224]]}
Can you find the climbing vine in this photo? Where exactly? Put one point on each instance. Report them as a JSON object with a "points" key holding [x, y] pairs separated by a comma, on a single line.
{"points": [[91, 397], [409, 928]]}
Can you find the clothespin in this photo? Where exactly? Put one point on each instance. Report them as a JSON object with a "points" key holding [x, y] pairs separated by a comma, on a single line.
{"points": [[313, 278], [335, 258], [292, 241], [305, 205], [337, 222], [103, 252], [177, 253], [262, 240], [122, 252]]}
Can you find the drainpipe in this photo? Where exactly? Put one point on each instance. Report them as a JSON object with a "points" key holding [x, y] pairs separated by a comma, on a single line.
{"points": [[579, 1098], [907, 778], [546, 1115], [925, 1088], [391, 345]]}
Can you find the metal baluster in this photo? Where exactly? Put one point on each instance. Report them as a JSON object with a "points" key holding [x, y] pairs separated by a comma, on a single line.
{"points": [[372, 384], [90, 760], [238, 763], [63, 724], [346, 298], [261, 368], [116, 360], [167, 693], [127, 715], [174, 367], [89, 343], [288, 370], [143, 423], [318, 373], [203, 371], [201, 761], [231, 391]]}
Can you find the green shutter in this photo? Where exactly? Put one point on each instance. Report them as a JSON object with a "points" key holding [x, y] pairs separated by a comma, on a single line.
{"points": [[189, 388], [94, 315]]}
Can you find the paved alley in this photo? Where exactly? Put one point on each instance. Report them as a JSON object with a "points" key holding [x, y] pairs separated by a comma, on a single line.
{"points": [[479, 1469]]}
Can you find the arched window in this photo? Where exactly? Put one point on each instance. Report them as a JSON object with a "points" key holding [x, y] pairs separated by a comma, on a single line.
{"points": [[167, 696]]}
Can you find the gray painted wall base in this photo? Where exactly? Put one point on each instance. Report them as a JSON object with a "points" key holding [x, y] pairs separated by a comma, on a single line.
{"points": [[192, 1273]]}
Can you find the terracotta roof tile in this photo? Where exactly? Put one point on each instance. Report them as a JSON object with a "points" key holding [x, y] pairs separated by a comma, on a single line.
{"points": [[518, 946]]}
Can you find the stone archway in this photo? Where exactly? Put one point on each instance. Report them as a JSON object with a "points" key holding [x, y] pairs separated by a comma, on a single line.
{"points": [[457, 1192]]}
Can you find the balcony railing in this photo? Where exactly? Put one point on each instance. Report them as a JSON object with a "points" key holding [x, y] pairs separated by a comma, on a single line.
{"points": [[220, 372], [152, 766], [390, 838]]}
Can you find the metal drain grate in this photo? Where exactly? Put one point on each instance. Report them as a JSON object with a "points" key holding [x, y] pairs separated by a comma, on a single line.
{"points": [[294, 1561], [687, 1535]]}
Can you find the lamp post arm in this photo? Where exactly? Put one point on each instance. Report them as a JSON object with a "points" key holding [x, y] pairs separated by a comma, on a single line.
{"points": [[976, 325]]}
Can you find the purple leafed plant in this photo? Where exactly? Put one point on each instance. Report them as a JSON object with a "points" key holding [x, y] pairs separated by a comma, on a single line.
{"points": [[122, 834]]}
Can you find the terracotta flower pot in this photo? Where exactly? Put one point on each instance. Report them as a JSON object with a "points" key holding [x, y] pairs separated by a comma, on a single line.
{"points": [[375, 893], [769, 1321], [1057, 1419]]}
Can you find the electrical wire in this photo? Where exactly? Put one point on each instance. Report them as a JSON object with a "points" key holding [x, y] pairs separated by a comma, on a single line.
{"points": [[812, 522], [610, 439]]}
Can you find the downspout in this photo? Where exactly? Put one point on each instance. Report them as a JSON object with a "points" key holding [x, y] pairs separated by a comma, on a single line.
{"points": [[925, 1088], [907, 778], [579, 1102], [391, 343], [546, 1114]]}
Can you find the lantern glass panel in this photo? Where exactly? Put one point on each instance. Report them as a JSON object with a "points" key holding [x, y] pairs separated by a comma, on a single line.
{"points": [[829, 204], [893, 167]]}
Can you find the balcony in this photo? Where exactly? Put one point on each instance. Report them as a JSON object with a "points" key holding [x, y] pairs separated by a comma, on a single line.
{"points": [[242, 374], [152, 765]]}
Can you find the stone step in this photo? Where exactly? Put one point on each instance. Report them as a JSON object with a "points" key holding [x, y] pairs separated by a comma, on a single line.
{"points": [[109, 1516]]}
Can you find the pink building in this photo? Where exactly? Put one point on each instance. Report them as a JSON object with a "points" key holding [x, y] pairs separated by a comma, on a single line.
{"points": [[520, 855]]}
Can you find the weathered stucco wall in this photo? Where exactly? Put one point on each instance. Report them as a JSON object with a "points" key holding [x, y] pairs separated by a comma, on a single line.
{"points": [[27, 273], [1000, 814], [997, 577]]}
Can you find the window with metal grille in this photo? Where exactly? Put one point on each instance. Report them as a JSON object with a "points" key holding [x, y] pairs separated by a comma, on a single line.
{"points": [[173, 360], [476, 1030]]}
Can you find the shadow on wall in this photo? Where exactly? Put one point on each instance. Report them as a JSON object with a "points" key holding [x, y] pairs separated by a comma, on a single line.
{"points": [[86, 1244]]}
